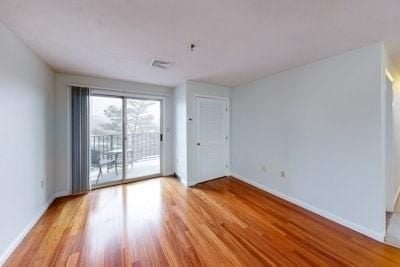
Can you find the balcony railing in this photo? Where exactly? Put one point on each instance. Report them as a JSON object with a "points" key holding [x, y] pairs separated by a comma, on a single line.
{"points": [[139, 146]]}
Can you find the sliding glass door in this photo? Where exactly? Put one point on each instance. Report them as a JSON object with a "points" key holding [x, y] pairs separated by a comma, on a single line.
{"points": [[125, 139], [106, 139], [143, 135]]}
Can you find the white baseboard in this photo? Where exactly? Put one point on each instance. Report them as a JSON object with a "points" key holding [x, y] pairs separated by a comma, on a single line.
{"points": [[180, 179], [61, 194], [358, 228], [191, 183], [7, 253]]}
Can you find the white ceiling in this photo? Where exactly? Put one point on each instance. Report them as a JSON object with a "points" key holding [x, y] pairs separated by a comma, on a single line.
{"points": [[238, 40]]}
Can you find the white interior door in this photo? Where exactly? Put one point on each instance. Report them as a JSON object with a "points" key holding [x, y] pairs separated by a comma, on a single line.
{"points": [[211, 131]]}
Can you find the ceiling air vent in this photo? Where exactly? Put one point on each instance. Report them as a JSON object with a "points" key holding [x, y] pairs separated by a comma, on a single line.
{"points": [[161, 64]]}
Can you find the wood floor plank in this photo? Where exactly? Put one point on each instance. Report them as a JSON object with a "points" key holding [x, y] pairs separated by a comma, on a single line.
{"points": [[159, 222]]}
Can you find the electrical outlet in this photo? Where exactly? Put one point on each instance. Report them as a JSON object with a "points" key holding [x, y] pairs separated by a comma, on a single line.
{"points": [[283, 174], [264, 168]]}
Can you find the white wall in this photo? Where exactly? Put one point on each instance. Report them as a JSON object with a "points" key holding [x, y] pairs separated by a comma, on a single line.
{"points": [[323, 125], [26, 149], [392, 134], [63, 121], [180, 141], [391, 187], [393, 145], [184, 96], [396, 141]]}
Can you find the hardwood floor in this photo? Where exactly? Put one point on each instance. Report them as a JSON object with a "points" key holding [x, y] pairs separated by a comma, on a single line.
{"points": [[159, 222]]}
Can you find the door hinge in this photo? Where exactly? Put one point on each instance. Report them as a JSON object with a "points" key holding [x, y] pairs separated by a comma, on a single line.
{"points": [[226, 109], [161, 137]]}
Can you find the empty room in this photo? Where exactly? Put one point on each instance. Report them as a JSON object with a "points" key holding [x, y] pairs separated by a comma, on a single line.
{"points": [[199, 133]]}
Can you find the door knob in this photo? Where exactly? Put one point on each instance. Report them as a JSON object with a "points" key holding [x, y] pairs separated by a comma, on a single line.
{"points": [[198, 144]]}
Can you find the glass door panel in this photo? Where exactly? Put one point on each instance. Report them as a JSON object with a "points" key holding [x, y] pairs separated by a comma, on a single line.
{"points": [[106, 140], [143, 138]]}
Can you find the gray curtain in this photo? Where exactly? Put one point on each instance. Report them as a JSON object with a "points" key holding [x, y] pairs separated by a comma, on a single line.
{"points": [[80, 140]]}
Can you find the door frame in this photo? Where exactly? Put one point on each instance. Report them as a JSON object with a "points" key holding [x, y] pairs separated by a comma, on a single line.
{"points": [[195, 137], [124, 96]]}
